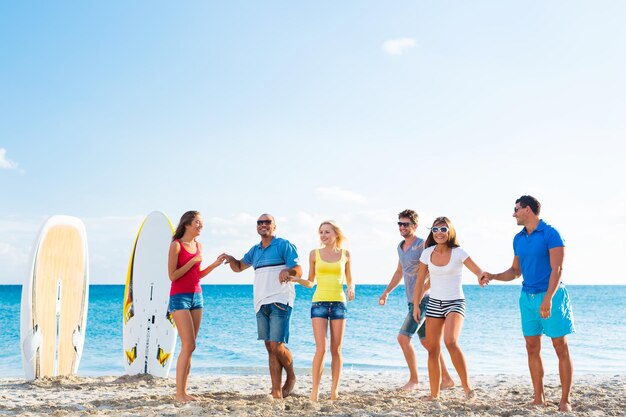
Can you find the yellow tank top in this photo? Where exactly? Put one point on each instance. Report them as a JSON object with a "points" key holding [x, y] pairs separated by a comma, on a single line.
{"points": [[330, 277]]}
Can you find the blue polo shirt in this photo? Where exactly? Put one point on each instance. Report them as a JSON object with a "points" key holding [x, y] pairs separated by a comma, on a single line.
{"points": [[279, 252], [534, 256]]}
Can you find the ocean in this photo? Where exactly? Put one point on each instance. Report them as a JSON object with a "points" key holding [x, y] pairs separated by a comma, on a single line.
{"points": [[491, 336]]}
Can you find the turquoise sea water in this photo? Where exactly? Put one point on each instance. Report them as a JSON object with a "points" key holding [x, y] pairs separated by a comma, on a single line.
{"points": [[491, 337]]}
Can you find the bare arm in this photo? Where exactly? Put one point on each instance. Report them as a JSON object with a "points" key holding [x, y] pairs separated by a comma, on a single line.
{"points": [[220, 260], [235, 264], [172, 262], [418, 292], [351, 287], [510, 274], [309, 283], [471, 265], [556, 263], [395, 281]]}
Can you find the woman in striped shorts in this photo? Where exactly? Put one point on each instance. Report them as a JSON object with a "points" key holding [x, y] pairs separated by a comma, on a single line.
{"points": [[443, 259]]}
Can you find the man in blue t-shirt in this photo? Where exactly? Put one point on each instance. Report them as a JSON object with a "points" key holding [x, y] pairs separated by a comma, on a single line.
{"points": [[274, 260], [544, 302]]}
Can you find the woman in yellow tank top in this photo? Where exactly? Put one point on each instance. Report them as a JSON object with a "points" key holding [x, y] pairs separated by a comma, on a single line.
{"points": [[330, 266]]}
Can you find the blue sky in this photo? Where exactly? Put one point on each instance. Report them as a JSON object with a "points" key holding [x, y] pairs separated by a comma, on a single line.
{"points": [[346, 110]]}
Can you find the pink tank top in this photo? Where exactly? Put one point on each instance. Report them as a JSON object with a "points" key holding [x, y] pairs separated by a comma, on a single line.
{"points": [[190, 282]]}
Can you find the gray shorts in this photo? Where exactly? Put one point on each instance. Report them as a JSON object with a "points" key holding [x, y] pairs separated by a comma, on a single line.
{"points": [[410, 326]]}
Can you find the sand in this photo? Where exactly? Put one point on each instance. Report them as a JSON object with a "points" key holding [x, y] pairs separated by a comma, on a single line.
{"points": [[363, 394]]}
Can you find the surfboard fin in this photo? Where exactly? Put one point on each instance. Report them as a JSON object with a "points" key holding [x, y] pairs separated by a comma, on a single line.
{"points": [[162, 357], [78, 340], [131, 354], [31, 344]]}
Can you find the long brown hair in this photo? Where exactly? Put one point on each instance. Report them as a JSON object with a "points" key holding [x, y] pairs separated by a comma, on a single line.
{"points": [[452, 240], [185, 220]]}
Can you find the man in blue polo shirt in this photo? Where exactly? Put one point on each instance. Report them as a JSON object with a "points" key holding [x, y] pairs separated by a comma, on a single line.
{"points": [[274, 260], [544, 301]]}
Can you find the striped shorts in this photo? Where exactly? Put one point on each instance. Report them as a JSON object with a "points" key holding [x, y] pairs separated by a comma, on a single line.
{"points": [[439, 309]]}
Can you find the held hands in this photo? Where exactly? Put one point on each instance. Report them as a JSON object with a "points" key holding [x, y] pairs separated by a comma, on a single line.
{"points": [[485, 278], [221, 259], [284, 276]]}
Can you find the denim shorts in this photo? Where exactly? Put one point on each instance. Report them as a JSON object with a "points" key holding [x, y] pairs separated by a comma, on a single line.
{"points": [[272, 322], [561, 320], [410, 326], [186, 301], [329, 310]]}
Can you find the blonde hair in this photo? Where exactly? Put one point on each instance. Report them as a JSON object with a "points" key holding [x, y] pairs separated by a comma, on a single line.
{"points": [[340, 236]]}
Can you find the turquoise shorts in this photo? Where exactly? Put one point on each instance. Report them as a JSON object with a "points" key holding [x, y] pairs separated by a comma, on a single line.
{"points": [[561, 320]]}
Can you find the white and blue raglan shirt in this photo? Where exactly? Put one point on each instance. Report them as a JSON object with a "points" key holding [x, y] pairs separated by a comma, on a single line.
{"points": [[267, 263]]}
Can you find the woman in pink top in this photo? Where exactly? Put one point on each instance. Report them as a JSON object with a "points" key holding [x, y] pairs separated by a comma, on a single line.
{"points": [[186, 294]]}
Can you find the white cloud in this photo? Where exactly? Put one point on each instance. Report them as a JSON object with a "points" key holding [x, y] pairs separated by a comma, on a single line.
{"points": [[398, 46], [4, 162], [338, 194]]}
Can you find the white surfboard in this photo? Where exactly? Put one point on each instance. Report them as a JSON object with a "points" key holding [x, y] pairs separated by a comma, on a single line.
{"points": [[149, 330], [55, 295]]}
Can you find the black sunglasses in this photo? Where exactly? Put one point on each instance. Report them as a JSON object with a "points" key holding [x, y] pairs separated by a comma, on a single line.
{"points": [[405, 224], [263, 222]]}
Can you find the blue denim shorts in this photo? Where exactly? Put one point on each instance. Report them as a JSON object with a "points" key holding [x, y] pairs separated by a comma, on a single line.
{"points": [[272, 322], [561, 320], [329, 310], [186, 301], [410, 326]]}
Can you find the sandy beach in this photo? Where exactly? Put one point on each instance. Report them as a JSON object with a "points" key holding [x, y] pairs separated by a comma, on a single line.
{"points": [[364, 394]]}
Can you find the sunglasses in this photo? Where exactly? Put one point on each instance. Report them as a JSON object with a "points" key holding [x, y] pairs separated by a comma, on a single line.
{"points": [[404, 224], [263, 222], [437, 229], [516, 209]]}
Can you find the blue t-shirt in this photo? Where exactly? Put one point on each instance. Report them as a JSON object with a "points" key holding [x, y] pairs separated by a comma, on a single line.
{"points": [[278, 252], [533, 252]]}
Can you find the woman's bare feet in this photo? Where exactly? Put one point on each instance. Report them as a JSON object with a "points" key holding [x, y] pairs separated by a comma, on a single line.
{"points": [[565, 406], [429, 398], [446, 383], [334, 396], [470, 394], [190, 397], [180, 398], [409, 386]]}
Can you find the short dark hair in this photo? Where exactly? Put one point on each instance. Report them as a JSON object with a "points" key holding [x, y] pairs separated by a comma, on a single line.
{"points": [[409, 214], [530, 201]]}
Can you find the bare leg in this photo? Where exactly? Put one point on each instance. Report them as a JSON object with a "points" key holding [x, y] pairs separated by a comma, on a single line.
{"points": [[411, 361], [446, 379], [452, 331], [434, 330], [535, 364], [320, 329], [196, 316], [337, 328], [186, 326], [276, 370], [284, 359], [566, 371]]}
